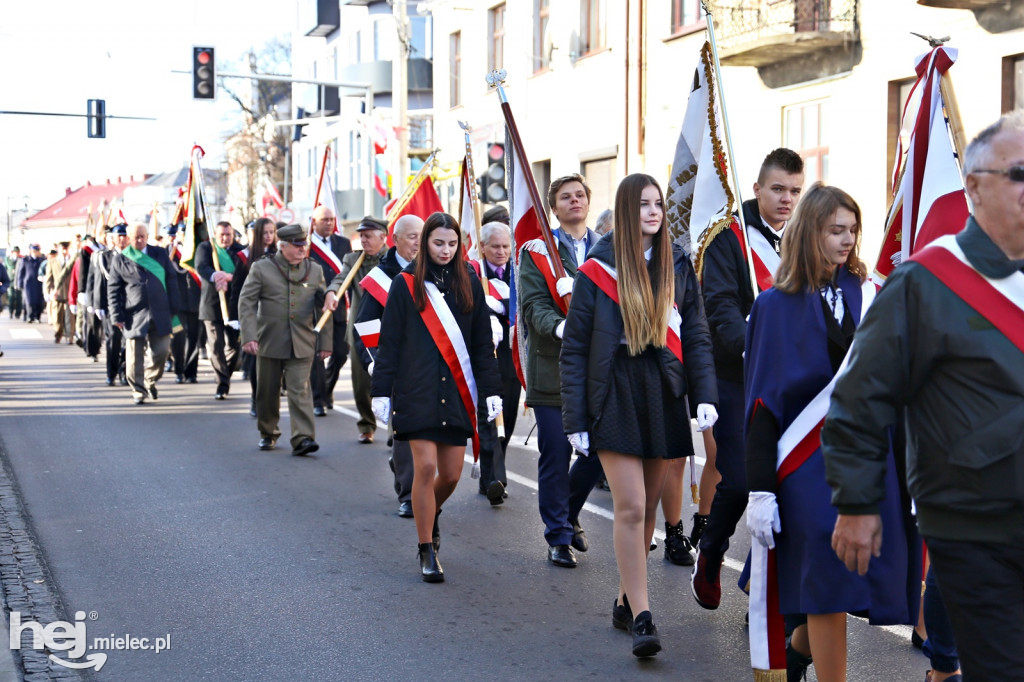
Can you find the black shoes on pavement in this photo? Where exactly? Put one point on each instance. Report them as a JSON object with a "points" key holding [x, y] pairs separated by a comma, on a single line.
{"points": [[405, 509], [622, 615], [267, 443], [645, 636], [430, 567], [677, 545], [305, 447], [561, 555], [319, 411], [579, 538], [495, 493]]}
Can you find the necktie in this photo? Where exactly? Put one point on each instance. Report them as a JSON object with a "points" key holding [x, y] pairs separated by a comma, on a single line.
{"points": [[499, 272]]}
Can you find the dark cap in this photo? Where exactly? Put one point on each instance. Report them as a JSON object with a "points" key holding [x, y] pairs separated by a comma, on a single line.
{"points": [[16, 248], [53, 252], [65, 245], [498, 214], [120, 228], [292, 233], [371, 223], [34, 247], [169, 230]]}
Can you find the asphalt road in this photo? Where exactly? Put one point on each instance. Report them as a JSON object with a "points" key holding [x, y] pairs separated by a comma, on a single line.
{"points": [[164, 520]]}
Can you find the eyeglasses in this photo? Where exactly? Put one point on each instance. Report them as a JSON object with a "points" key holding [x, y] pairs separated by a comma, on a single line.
{"points": [[1014, 173]]}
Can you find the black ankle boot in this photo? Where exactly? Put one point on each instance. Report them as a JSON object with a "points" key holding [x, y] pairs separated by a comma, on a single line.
{"points": [[677, 545], [796, 663], [430, 567], [700, 522], [437, 533]]}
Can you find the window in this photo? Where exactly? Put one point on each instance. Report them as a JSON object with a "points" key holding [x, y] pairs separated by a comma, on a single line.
{"points": [[1013, 82], [422, 46], [496, 27], [686, 14], [601, 176], [541, 39], [454, 69], [592, 21], [804, 132], [542, 176], [899, 91], [384, 39]]}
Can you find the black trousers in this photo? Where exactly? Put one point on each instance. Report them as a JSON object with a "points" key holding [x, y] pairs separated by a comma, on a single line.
{"points": [[92, 340], [224, 350], [15, 305], [982, 585], [492, 453], [113, 349], [185, 346], [730, 499], [323, 378]]}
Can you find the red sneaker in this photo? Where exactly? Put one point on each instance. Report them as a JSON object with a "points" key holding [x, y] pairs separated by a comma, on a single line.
{"points": [[705, 580]]}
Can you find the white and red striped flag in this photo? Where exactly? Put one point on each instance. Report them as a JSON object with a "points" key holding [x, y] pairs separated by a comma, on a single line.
{"points": [[467, 214], [928, 191], [526, 217], [271, 195]]}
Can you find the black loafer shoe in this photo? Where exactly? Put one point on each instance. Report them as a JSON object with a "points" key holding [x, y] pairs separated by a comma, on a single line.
{"points": [[267, 443], [645, 636], [579, 538], [179, 379], [110, 382], [305, 447], [561, 555], [405, 510], [191, 380], [622, 615], [496, 493], [219, 396], [319, 412], [152, 392]]}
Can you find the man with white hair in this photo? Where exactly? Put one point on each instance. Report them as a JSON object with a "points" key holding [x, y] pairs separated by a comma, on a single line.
{"points": [[326, 248], [942, 347], [142, 292]]}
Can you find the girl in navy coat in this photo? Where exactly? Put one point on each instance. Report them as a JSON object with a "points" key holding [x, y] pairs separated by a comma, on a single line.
{"points": [[636, 343], [434, 360]]}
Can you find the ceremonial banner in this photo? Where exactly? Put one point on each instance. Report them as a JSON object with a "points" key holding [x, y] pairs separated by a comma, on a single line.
{"points": [[419, 199], [271, 195], [698, 202], [468, 214], [928, 192], [196, 221]]}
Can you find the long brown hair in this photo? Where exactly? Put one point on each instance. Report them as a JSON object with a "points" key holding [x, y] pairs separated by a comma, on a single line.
{"points": [[256, 248], [804, 265], [644, 299], [461, 285]]}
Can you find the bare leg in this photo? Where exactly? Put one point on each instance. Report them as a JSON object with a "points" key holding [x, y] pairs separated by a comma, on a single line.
{"points": [[827, 635], [672, 491], [449, 468], [424, 505]]}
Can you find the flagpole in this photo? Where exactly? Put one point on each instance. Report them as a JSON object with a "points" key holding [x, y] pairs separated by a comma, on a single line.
{"points": [[496, 79], [341, 291], [728, 142], [320, 182], [409, 190]]}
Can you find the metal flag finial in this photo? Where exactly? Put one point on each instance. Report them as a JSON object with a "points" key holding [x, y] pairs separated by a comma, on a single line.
{"points": [[496, 79], [465, 126], [931, 40]]}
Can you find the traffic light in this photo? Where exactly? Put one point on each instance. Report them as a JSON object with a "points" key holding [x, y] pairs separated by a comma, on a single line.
{"points": [[492, 182], [204, 73], [96, 113], [299, 130]]}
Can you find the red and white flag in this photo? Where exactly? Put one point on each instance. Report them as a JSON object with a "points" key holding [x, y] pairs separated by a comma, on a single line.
{"points": [[928, 191], [271, 195], [525, 216], [699, 203], [467, 214]]}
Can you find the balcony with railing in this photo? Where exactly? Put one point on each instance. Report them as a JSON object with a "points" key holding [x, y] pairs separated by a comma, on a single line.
{"points": [[961, 4], [763, 32]]}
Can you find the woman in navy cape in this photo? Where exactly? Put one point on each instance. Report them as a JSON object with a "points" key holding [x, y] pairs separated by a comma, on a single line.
{"points": [[798, 334]]}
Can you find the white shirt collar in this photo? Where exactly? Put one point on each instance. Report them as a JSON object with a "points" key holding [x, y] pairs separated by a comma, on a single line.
{"points": [[401, 261]]}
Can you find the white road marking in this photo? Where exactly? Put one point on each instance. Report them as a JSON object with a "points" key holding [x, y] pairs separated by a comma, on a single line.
{"points": [[25, 333]]}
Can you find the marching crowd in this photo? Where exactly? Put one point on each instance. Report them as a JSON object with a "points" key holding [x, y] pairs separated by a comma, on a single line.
{"points": [[623, 342]]}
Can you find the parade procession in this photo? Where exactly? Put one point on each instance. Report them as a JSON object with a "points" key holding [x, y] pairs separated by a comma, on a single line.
{"points": [[714, 309]]}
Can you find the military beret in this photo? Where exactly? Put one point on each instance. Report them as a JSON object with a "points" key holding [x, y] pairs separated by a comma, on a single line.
{"points": [[498, 214], [292, 233], [371, 223], [169, 230]]}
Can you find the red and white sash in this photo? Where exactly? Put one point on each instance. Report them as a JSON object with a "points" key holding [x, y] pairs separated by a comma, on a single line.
{"points": [[377, 284], [243, 255], [538, 251], [447, 336], [766, 261], [798, 442], [606, 279], [323, 250], [1000, 301]]}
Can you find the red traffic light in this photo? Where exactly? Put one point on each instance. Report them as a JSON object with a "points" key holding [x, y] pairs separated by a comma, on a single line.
{"points": [[203, 57]]}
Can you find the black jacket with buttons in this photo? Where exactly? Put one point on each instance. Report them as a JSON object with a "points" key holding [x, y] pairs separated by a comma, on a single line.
{"points": [[410, 370]]}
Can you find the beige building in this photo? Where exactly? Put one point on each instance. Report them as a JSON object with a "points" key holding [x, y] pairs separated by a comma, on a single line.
{"points": [[600, 86]]}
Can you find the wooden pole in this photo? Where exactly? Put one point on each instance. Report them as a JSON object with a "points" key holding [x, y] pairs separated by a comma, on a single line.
{"points": [[341, 291]]}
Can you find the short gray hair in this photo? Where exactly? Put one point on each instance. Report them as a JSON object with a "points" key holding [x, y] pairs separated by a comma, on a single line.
{"points": [[488, 230], [976, 156], [604, 221]]}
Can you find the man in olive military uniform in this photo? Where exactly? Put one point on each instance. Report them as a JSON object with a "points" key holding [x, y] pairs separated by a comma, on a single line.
{"points": [[278, 308], [373, 236]]}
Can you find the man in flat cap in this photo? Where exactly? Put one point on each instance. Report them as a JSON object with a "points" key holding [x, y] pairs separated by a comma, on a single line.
{"points": [[278, 307], [373, 236], [56, 284]]}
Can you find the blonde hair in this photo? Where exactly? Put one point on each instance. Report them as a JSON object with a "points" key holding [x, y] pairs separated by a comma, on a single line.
{"points": [[645, 294], [804, 265]]}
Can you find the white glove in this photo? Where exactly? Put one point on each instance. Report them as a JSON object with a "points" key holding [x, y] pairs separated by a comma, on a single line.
{"points": [[81, 298], [495, 305], [763, 517], [381, 408], [74, 309], [580, 442], [707, 415], [564, 286], [90, 310], [497, 331], [560, 329], [101, 314], [369, 370], [493, 407], [234, 324]]}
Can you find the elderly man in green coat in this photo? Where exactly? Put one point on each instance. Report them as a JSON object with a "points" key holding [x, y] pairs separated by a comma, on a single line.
{"points": [[278, 308]]}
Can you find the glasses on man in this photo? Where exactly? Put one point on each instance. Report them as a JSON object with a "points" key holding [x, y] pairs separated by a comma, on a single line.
{"points": [[1014, 173]]}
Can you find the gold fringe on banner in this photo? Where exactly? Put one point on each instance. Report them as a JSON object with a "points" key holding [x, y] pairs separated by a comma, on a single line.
{"points": [[769, 675]]}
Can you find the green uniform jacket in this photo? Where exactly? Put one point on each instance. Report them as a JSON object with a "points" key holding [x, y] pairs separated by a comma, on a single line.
{"points": [[279, 306]]}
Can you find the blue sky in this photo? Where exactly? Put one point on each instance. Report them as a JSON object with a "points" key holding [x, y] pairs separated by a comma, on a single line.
{"points": [[59, 53]]}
